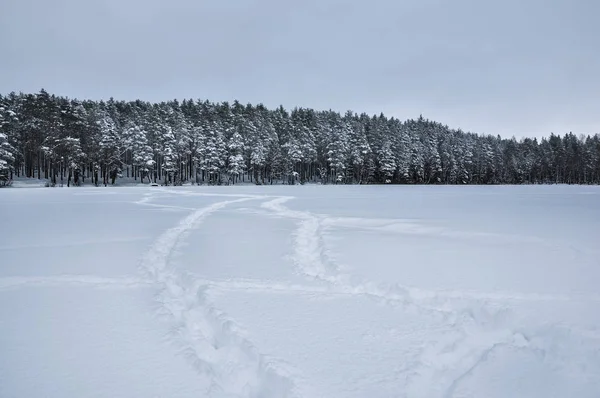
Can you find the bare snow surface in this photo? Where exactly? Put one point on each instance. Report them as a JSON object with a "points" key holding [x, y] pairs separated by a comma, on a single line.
{"points": [[300, 292]]}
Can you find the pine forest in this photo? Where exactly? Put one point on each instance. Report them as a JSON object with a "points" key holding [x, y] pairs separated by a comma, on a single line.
{"points": [[71, 142]]}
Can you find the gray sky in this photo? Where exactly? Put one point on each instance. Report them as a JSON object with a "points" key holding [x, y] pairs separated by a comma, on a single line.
{"points": [[512, 67]]}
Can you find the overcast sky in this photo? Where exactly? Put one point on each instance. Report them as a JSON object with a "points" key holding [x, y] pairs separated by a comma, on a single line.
{"points": [[512, 67]]}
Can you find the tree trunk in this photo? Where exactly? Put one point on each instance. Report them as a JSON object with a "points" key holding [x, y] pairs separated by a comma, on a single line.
{"points": [[256, 175]]}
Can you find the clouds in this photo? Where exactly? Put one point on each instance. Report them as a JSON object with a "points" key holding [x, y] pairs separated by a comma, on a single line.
{"points": [[509, 67]]}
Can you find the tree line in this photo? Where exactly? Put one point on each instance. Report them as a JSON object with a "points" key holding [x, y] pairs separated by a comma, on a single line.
{"points": [[200, 142]]}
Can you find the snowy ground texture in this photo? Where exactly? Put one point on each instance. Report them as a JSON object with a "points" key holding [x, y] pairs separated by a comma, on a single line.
{"points": [[316, 291]]}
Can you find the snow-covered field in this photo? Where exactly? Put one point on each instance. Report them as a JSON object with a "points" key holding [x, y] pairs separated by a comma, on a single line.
{"points": [[314, 291]]}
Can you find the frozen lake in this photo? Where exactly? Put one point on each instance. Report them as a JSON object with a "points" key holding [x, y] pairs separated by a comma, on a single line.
{"points": [[300, 291]]}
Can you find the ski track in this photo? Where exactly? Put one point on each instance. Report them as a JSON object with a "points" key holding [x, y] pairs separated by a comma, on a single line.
{"points": [[231, 364], [149, 197], [124, 282], [480, 325], [284, 287], [75, 243], [412, 227]]}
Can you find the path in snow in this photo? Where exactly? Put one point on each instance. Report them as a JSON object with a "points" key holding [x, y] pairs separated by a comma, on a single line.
{"points": [[231, 363], [480, 326]]}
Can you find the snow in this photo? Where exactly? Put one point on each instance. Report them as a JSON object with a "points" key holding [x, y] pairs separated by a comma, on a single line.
{"points": [[300, 291]]}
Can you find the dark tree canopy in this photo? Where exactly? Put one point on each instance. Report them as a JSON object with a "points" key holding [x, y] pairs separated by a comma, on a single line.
{"points": [[46, 136]]}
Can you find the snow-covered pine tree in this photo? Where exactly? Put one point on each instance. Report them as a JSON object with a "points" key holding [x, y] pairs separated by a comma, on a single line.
{"points": [[6, 159], [195, 151], [7, 151], [387, 162], [432, 161], [304, 124], [168, 155], [338, 150], [141, 152], [215, 154], [235, 159], [401, 145], [360, 151], [110, 147], [267, 135]]}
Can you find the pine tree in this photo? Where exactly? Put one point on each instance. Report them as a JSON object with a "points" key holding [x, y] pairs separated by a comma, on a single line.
{"points": [[110, 148], [338, 151], [214, 156], [402, 150], [141, 152], [7, 151], [387, 162], [6, 159], [235, 166], [168, 155], [360, 153]]}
